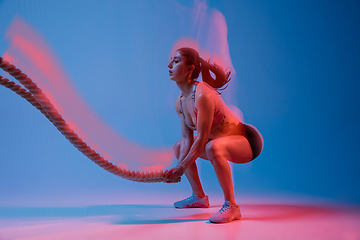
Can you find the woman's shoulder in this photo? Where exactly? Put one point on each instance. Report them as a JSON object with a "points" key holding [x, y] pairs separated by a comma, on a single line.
{"points": [[204, 90], [205, 96]]}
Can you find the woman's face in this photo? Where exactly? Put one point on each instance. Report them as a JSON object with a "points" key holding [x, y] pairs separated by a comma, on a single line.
{"points": [[177, 67]]}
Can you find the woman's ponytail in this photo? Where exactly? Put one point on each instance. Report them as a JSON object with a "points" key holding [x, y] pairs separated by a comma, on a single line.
{"points": [[222, 77]]}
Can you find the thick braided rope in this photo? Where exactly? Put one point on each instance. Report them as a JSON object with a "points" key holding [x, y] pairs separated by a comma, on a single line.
{"points": [[37, 98]]}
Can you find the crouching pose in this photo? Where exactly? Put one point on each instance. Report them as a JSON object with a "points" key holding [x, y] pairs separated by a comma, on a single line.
{"points": [[221, 136]]}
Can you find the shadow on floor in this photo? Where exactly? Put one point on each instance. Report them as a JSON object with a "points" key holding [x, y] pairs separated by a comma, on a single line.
{"points": [[160, 214]]}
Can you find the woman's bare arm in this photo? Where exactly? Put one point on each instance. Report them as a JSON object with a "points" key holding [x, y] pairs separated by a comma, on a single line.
{"points": [[187, 134], [186, 142], [205, 112]]}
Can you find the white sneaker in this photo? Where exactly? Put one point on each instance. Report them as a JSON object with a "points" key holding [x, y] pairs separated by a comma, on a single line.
{"points": [[193, 202], [227, 213]]}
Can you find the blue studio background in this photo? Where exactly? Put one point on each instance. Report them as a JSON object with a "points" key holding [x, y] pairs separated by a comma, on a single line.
{"points": [[297, 80]]}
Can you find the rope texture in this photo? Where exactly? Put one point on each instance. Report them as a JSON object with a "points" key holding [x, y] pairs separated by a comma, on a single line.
{"points": [[37, 98]]}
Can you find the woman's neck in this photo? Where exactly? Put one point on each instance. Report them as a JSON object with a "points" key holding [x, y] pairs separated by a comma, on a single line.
{"points": [[186, 87]]}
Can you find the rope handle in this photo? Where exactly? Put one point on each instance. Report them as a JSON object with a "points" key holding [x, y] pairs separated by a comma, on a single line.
{"points": [[38, 99]]}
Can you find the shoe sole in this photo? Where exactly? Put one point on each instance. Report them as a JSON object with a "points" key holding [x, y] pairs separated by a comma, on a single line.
{"points": [[227, 221], [195, 205]]}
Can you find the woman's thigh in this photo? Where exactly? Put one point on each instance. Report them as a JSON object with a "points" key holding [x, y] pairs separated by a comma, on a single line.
{"points": [[234, 148]]}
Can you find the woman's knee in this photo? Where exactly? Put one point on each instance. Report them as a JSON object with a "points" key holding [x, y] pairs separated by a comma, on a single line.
{"points": [[213, 149]]}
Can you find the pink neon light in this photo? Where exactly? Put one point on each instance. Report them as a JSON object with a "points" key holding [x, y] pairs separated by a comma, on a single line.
{"points": [[31, 53]]}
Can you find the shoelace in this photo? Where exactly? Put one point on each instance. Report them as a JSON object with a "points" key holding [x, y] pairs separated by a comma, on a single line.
{"points": [[226, 207], [193, 196], [190, 198]]}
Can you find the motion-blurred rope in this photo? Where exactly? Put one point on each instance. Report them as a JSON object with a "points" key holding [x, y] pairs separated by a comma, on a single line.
{"points": [[37, 98]]}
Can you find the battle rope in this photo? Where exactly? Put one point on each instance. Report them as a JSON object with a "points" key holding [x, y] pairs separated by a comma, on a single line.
{"points": [[37, 98]]}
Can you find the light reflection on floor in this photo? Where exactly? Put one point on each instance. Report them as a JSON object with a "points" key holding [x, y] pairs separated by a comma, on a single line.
{"points": [[273, 219]]}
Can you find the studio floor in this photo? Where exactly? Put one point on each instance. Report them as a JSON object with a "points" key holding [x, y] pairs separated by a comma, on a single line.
{"points": [[262, 218]]}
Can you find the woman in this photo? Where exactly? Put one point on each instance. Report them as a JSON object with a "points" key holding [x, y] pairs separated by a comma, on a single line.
{"points": [[221, 137]]}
